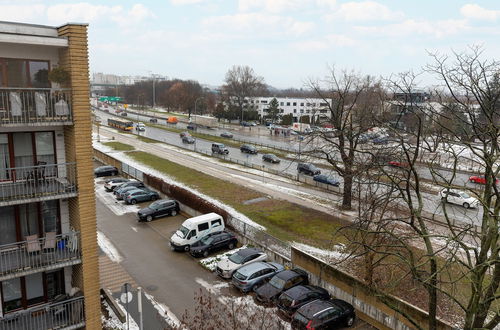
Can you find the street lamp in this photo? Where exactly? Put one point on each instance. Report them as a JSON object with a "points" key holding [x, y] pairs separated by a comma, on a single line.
{"points": [[195, 127]]}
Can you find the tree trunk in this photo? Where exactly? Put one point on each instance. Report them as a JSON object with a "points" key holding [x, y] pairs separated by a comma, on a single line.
{"points": [[369, 256], [432, 289], [347, 194]]}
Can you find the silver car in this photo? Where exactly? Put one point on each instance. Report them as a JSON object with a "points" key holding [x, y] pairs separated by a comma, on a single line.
{"points": [[250, 276]]}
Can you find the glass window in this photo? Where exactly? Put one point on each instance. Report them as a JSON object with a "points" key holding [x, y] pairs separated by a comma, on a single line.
{"points": [[49, 216], [44, 142], [55, 284], [7, 225], [39, 74], [287, 103], [12, 295], [2, 81], [17, 75], [34, 289], [4, 157], [203, 226], [23, 150], [216, 223], [28, 216]]}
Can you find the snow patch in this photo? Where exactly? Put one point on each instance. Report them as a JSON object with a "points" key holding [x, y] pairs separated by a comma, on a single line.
{"points": [[164, 311], [210, 263], [107, 247], [336, 254]]}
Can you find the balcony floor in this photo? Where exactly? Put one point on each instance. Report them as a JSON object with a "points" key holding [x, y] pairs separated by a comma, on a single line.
{"points": [[21, 192]]}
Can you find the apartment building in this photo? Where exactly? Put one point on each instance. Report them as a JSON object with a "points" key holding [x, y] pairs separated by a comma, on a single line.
{"points": [[49, 275], [314, 108]]}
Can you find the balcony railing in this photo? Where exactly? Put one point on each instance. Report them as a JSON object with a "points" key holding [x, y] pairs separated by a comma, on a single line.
{"points": [[68, 314], [42, 254], [21, 106], [41, 182]]}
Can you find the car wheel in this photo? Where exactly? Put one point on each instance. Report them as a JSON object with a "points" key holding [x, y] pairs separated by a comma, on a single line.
{"points": [[149, 218], [173, 213], [115, 173], [350, 321], [154, 197], [133, 201], [205, 253], [186, 248], [466, 205], [231, 246]]}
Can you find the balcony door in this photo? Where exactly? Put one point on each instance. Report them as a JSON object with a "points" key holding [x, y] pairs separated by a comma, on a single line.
{"points": [[24, 73], [4, 157]]}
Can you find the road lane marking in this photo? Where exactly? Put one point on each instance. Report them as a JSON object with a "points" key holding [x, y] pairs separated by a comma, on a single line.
{"points": [[134, 229]]}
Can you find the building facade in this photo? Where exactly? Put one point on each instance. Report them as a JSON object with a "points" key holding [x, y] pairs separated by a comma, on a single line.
{"points": [[313, 108], [49, 274]]}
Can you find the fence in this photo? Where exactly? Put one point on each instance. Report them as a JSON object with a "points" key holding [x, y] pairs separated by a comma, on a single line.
{"points": [[68, 314], [34, 105], [340, 284]]}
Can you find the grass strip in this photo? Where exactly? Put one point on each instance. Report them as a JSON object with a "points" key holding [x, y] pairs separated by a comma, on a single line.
{"points": [[119, 146]]}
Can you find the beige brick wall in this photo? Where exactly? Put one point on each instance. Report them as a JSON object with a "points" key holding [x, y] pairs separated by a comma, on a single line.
{"points": [[78, 147]]}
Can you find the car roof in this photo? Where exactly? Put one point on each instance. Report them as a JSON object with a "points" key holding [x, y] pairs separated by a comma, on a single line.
{"points": [[248, 251], [253, 267], [300, 290], [289, 273], [316, 306]]}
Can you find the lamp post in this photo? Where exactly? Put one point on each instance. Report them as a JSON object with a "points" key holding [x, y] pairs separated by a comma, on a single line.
{"points": [[196, 127]]}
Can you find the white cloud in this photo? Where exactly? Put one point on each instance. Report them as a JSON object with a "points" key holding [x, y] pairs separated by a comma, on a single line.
{"points": [[136, 14], [80, 12], [278, 6], [21, 13], [475, 11], [257, 22], [185, 2], [437, 29], [367, 11], [329, 41]]}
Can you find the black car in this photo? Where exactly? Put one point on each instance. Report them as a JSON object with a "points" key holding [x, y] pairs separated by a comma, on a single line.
{"points": [[191, 126], [271, 158], [105, 171], [296, 297], [153, 120], [123, 114], [136, 184], [308, 169], [269, 292], [226, 135], [188, 139], [157, 209], [212, 242], [248, 149], [326, 180], [322, 314]]}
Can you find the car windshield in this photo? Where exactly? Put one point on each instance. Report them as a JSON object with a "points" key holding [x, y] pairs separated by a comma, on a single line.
{"points": [[221, 146], [464, 195], [155, 205], [285, 300], [277, 282], [240, 276], [207, 240], [236, 258], [184, 231]]}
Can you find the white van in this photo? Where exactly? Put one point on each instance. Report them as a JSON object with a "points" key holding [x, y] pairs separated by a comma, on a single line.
{"points": [[140, 127], [194, 229]]}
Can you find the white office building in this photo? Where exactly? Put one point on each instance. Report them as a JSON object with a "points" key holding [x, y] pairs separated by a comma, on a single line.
{"points": [[314, 108]]}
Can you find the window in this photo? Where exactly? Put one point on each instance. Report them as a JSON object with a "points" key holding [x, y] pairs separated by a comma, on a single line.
{"points": [[17, 73], [55, 284], [308, 111], [28, 215], [281, 110], [12, 294], [216, 223], [44, 142], [203, 226], [24, 73], [323, 104], [301, 104], [282, 103], [294, 110], [294, 104], [192, 234], [263, 101], [288, 103], [301, 111], [4, 156], [34, 289], [23, 149], [308, 104], [39, 74], [8, 225]]}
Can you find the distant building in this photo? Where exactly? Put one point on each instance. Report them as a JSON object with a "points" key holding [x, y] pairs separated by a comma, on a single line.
{"points": [[314, 108]]}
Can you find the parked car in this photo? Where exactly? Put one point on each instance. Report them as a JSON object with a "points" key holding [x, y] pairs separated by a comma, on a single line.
{"points": [[248, 149], [292, 299], [123, 192], [269, 292], [245, 124], [158, 209], [111, 184], [227, 266], [191, 126], [458, 197], [380, 140], [105, 171], [271, 158], [183, 134], [123, 114], [226, 135], [194, 229], [153, 120], [132, 183], [141, 195], [249, 277], [480, 179], [213, 242], [326, 180], [308, 169], [188, 139], [219, 148], [322, 314], [395, 163]]}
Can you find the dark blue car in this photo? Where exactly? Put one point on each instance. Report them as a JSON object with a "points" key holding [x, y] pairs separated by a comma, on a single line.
{"points": [[326, 180], [380, 140]]}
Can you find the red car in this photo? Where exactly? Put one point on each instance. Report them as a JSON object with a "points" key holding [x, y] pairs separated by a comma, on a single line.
{"points": [[480, 179], [395, 163]]}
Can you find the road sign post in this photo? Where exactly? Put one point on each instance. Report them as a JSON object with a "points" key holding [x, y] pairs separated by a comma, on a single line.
{"points": [[125, 298]]}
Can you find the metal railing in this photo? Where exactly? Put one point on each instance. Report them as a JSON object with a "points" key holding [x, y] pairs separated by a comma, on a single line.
{"points": [[38, 254], [68, 314], [34, 105], [18, 184]]}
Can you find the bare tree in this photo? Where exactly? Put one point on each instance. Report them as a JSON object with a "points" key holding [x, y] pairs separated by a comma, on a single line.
{"points": [[240, 83]]}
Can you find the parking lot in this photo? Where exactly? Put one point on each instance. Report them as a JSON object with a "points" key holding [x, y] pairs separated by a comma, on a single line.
{"points": [[172, 278]]}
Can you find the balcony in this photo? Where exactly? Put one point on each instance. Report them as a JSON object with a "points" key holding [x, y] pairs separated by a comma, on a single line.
{"points": [[19, 185], [34, 106], [68, 314], [39, 254]]}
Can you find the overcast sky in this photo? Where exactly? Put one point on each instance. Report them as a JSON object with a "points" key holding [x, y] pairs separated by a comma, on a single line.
{"points": [[285, 41]]}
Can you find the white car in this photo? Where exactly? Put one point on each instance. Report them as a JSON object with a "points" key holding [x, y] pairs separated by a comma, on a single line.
{"points": [[140, 127], [227, 266], [459, 197], [111, 184]]}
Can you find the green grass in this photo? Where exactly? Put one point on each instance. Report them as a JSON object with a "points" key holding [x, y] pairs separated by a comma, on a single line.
{"points": [[119, 146], [146, 139], [284, 220]]}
